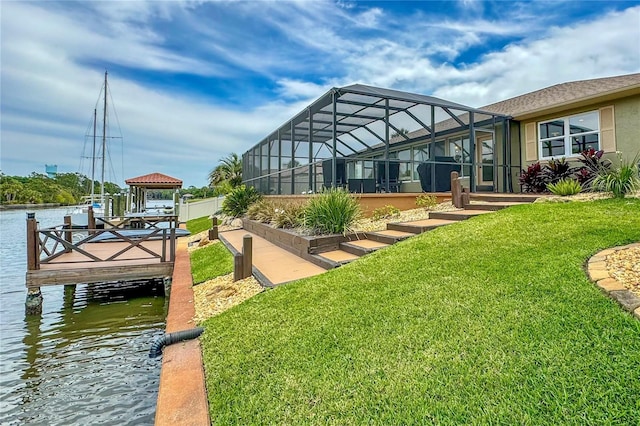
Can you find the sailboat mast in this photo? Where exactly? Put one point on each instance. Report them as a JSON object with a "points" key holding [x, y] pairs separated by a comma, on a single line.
{"points": [[93, 155], [104, 137]]}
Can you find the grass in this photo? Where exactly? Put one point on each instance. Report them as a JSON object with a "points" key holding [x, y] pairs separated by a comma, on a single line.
{"points": [[195, 226], [210, 262], [488, 321]]}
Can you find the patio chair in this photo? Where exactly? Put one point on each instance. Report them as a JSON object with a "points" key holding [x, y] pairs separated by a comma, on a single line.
{"points": [[394, 174]]}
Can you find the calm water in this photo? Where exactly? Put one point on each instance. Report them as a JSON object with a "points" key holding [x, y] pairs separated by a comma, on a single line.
{"points": [[85, 359]]}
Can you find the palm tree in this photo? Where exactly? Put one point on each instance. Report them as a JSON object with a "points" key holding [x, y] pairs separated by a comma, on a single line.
{"points": [[229, 170]]}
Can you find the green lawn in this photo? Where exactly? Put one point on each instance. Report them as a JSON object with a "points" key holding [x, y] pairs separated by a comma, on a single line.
{"points": [[210, 262], [198, 225], [489, 321]]}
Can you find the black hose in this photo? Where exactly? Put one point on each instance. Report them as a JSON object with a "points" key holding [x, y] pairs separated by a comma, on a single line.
{"points": [[170, 338]]}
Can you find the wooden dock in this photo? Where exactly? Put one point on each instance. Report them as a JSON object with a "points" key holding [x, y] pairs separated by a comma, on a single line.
{"points": [[62, 255]]}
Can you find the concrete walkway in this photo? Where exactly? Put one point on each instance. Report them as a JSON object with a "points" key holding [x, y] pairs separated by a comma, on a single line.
{"points": [[275, 264]]}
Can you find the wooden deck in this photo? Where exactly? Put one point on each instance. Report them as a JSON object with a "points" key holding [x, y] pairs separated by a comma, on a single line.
{"points": [[60, 255], [74, 267]]}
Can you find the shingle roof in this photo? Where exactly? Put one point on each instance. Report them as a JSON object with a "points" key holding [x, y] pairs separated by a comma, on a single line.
{"points": [[154, 179], [564, 93], [544, 99]]}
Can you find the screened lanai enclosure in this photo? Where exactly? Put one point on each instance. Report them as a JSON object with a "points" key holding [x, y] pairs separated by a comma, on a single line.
{"points": [[369, 139]]}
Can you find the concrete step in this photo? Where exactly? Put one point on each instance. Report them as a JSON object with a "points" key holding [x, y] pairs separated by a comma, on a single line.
{"points": [[457, 215], [362, 247], [335, 258], [494, 197], [493, 205], [388, 236], [419, 226]]}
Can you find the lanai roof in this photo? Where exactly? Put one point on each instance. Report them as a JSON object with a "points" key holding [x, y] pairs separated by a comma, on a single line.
{"points": [[358, 106]]}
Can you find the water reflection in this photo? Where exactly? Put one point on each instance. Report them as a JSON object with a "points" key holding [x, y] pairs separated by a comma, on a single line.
{"points": [[87, 363], [84, 359]]}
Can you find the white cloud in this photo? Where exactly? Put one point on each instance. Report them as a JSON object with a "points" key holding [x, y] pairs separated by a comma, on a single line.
{"points": [[52, 69], [604, 47]]}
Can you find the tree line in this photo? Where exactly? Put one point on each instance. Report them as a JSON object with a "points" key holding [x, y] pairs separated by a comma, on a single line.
{"points": [[70, 188], [64, 188]]}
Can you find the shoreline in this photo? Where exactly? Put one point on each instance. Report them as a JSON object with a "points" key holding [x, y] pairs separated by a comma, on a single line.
{"points": [[29, 206]]}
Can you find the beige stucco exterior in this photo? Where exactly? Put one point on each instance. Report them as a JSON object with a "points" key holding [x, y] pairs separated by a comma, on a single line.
{"points": [[627, 126], [626, 111]]}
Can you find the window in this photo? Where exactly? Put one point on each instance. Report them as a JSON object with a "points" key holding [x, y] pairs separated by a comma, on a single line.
{"points": [[569, 136]]}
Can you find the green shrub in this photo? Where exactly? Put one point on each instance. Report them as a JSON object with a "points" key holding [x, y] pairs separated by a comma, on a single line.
{"points": [[565, 187], [331, 212], [262, 211], [426, 201], [239, 199], [289, 214], [621, 180], [385, 212]]}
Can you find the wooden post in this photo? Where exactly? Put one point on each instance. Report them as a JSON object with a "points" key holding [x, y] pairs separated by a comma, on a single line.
{"points": [[176, 206], [33, 304], [213, 232], [237, 267], [91, 220], [107, 206], [247, 256], [68, 235], [163, 256], [172, 247], [456, 190], [32, 242]]}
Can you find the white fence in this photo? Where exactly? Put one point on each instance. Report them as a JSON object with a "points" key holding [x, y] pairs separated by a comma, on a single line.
{"points": [[196, 209]]}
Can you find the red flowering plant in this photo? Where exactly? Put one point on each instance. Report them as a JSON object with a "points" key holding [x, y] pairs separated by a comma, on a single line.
{"points": [[533, 179], [592, 165]]}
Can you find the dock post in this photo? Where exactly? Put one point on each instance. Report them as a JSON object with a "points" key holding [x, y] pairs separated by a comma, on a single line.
{"points": [[91, 222], [32, 242], [213, 232], [68, 235], [107, 206], [247, 256], [33, 304], [237, 267]]}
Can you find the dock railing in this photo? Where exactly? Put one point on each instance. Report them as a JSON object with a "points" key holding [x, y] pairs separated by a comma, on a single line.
{"points": [[47, 245], [139, 221]]}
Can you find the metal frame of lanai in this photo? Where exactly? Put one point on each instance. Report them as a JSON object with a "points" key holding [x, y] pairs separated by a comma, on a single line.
{"points": [[364, 129]]}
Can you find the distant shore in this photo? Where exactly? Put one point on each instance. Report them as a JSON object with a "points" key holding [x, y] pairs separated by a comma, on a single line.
{"points": [[28, 206]]}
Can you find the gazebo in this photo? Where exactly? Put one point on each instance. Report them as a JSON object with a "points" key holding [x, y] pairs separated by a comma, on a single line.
{"points": [[138, 187]]}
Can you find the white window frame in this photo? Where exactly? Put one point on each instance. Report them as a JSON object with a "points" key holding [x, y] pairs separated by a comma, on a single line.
{"points": [[567, 135]]}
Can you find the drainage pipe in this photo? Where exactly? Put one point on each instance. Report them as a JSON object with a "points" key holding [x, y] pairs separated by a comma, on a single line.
{"points": [[170, 338]]}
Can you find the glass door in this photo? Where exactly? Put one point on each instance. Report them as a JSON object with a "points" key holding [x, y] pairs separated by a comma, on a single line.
{"points": [[484, 148]]}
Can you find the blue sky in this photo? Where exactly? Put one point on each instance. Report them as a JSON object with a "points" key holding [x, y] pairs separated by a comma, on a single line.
{"points": [[195, 81]]}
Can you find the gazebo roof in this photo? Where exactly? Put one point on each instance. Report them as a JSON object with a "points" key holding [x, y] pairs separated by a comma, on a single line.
{"points": [[155, 180]]}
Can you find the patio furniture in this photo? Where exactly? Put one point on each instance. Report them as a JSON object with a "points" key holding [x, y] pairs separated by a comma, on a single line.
{"points": [[341, 173], [394, 174], [443, 168], [363, 186]]}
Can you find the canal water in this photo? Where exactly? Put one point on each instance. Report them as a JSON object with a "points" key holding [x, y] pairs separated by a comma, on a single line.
{"points": [[85, 359]]}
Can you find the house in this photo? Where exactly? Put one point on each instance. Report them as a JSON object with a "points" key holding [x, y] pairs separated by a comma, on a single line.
{"points": [[373, 139]]}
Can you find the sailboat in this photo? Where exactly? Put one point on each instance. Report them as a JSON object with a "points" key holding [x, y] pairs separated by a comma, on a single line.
{"points": [[79, 214]]}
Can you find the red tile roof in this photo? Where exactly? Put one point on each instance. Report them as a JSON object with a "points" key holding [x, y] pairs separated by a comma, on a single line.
{"points": [[154, 179]]}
